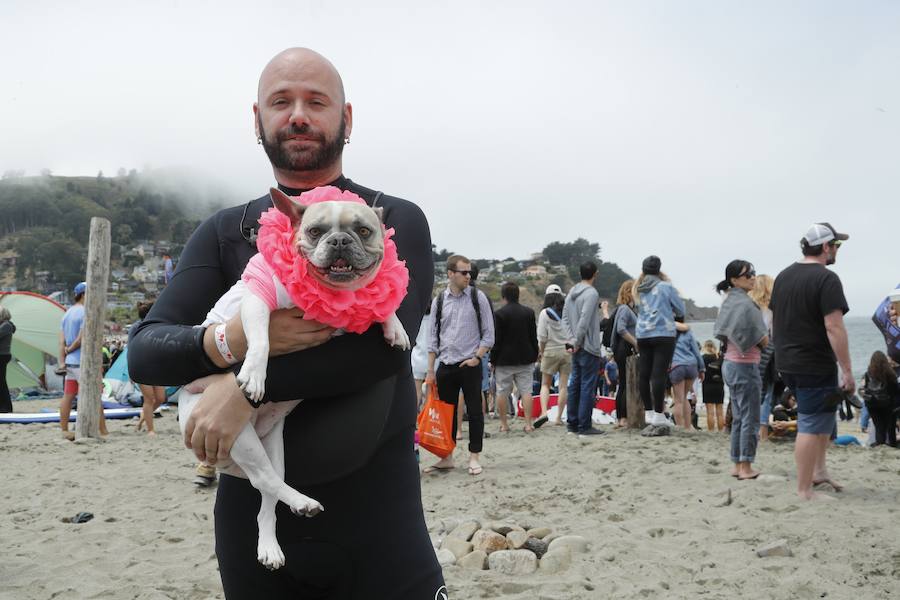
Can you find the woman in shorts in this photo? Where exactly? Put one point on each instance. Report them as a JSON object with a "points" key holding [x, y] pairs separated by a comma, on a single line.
{"points": [[687, 365], [553, 336]]}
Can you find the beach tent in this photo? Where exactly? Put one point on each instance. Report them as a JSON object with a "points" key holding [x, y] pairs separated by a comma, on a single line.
{"points": [[38, 320]]}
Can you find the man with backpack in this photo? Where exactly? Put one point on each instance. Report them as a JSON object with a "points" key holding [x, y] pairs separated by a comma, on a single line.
{"points": [[462, 332]]}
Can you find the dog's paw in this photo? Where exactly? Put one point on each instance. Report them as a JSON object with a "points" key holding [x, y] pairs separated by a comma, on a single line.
{"points": [[395, 334], [252, 381], [269, 554], [298, 503]]}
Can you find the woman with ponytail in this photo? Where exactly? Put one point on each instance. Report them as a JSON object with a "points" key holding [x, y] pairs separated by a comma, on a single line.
{"points": [[741, 327]]}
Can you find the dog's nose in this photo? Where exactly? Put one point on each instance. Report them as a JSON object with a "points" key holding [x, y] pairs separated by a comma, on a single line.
{"points": [[339, 240]]}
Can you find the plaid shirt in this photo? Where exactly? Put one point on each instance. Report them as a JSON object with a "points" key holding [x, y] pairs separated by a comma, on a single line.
{"points": [[460, 338]]}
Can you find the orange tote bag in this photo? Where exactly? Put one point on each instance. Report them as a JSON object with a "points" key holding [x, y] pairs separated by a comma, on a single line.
{"points": [[435, 425]]}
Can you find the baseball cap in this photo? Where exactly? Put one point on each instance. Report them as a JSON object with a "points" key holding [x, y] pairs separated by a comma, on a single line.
{"points": [[80, 288], [553, 289], [822, 233]]}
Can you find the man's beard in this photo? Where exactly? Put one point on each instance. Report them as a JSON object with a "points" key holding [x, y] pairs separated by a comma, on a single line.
{"points": [[328, 152]]}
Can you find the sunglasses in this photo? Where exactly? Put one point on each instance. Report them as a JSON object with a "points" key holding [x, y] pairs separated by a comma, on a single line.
{"points": [[749, 274], [463, 273], [835, 243]]}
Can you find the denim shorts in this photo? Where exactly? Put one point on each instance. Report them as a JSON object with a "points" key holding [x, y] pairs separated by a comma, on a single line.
{"points": [[813, 414], [680, 373]]}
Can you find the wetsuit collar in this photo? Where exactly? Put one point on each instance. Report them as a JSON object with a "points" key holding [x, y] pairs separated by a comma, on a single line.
{"points": [[341, 183]]}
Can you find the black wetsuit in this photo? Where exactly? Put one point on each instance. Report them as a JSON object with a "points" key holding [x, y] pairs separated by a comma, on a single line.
{"points": [[349, 444]]}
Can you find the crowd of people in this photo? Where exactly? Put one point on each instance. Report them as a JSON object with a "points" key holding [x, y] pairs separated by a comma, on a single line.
{"points": [[780, 350]]}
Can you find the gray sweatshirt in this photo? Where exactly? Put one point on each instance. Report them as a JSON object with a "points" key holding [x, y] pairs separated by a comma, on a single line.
{"points": [[582, 316], [7, 329]]}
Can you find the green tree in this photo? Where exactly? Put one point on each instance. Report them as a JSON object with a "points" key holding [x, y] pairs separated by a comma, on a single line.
{"points": [[571, 254]]}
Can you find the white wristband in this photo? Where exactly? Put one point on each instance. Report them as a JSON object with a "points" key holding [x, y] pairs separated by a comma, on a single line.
{"points": [[222, 344]]}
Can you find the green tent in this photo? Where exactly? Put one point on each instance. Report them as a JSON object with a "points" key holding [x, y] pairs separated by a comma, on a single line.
{"points": [[38, 320]]}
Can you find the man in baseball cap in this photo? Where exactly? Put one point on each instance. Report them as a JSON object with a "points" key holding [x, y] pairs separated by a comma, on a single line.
{"points": [[822, 233], [808, 307]]}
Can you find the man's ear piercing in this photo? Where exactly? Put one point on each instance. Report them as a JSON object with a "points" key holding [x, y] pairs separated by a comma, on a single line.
{"points": [[259, 140], [346, 141]]}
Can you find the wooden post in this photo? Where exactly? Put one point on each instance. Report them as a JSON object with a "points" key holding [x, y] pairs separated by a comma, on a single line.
{"points": [[91, 384], [633, 395]]}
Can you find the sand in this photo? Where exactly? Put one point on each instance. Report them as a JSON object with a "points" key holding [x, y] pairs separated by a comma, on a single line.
{"points": [[652, 510]]}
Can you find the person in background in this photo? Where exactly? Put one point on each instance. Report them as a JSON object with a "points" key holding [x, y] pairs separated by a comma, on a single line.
{"points": [[514, 352], [762, 295], [713, 387], [70, 356], [808, 306], [7, 329], [168, 267], [553, 334], [740, 325], [623, 344], [154, 395], [462, 333], [658, 304], [583, 319], [612, 377], [687, 366], [882, 395], [419, 356]]}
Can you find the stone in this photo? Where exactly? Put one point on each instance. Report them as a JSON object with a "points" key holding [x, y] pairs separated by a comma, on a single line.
{"points": [[464, 530], [458, 547], [516, 538], [557, 560], [502, 528], [724, 498], [540, 532], [576, 543], [446, 558], [476, 561], [538, 546], [551, 536], [448, 524], [775, 548], [488, 541], [513, 562]]}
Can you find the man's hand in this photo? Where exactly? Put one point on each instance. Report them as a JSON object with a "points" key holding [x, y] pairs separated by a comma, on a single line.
{"points": [[472, 362], [848, 384], [217, 419], [429, 377], [702, 376]]}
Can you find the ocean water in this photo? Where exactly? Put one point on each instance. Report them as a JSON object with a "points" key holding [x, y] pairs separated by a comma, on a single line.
{"points": [[864, 339]]}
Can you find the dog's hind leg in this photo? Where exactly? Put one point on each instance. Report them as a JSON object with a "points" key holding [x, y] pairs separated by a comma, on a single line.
{"points": [[268, 551], [249, 453]]}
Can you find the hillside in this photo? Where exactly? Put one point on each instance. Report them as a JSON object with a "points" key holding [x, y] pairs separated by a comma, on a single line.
{"points": [[45, 220]]}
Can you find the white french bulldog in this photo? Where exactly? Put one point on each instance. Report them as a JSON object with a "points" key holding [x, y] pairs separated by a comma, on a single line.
{"points": [[344, 243]]}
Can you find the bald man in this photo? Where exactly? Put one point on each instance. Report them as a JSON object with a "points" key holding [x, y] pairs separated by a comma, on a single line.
{"points": [[349, 444]]}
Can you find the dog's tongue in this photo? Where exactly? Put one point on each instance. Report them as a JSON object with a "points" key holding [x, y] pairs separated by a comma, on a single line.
{"points": [[340, 263]]}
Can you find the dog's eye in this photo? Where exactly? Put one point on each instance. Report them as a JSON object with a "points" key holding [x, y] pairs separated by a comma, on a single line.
{"points": [[364, 231], [313, 232]]}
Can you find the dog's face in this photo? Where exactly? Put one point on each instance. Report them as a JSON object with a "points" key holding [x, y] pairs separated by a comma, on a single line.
{"points": [[343, 241]]}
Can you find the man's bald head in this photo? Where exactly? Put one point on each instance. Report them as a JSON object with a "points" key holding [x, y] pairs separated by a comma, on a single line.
{"points": [[296, 61]]}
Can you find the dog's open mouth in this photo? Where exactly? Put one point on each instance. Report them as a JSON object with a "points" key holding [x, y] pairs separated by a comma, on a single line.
{"points": [[341, 271]]}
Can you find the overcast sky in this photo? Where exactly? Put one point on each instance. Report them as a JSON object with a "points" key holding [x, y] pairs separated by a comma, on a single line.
{"points": [[698, 131]]}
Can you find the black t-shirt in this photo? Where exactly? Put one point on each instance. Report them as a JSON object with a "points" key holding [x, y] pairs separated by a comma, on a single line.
{"points": [[803, 295]]}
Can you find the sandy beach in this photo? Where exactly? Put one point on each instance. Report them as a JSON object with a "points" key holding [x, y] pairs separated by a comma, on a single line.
{"points": [[653, 511]]}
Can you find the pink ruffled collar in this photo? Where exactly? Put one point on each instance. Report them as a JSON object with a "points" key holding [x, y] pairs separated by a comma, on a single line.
{"points": [[352, 310]]}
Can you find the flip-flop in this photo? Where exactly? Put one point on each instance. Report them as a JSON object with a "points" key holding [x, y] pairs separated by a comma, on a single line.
{"points": [[754, 476], [540, 421], [476, 470], [436, 469]]}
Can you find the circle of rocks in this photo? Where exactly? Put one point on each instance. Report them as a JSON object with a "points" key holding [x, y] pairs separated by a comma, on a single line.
{"points": [[504, 546]]}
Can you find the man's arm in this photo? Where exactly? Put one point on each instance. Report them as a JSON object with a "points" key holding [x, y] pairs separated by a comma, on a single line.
{"points": [[837, 337], [487, 338], [62, 349]]}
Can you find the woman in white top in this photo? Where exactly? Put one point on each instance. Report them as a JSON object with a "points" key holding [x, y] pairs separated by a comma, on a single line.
{"points": [[553, 335]]}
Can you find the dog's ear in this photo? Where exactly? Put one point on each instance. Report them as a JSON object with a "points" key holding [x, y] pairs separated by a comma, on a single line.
{"points": [[379, 212], [287, 205]]}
